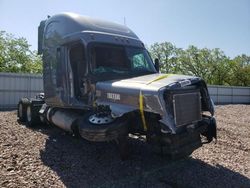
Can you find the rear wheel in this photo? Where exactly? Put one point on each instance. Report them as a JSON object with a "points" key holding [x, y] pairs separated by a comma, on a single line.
{"points": [[20, 113], [32, 115], [22, 108]]}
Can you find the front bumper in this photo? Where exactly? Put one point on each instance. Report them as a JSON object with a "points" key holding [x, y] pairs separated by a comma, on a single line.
{"points": [[184, 143]]}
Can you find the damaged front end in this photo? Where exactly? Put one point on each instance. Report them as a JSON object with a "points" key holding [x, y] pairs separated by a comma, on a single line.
{"points": [[188, 116], [173, 111]]}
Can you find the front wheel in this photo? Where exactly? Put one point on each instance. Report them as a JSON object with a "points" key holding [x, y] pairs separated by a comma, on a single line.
{"points": [[123, 147], [99, 128]]}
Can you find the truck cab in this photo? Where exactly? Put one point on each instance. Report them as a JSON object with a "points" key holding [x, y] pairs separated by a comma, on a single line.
{"points": [[80, 51], [101, 83]]}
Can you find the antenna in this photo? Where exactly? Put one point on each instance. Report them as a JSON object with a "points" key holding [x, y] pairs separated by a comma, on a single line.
{"points": [[124, 21]]}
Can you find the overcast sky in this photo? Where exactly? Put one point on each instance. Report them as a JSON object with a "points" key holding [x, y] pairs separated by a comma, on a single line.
{"points": [[223, 24]]}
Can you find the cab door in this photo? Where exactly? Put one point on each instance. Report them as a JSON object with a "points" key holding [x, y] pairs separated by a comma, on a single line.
{"points": [[77, 72]]}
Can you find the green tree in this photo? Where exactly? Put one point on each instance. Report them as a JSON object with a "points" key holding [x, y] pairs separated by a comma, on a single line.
{"points": [[220, 68], [241, 70], [194, 61], [15, 55], [210, 64], [167, 54]]}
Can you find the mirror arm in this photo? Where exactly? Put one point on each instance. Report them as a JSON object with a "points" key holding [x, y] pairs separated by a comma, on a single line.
{"points": [[157, 65]]}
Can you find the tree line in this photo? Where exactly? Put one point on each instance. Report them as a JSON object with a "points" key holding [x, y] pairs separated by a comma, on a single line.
{"points": [[210, 64], [16, 56]]}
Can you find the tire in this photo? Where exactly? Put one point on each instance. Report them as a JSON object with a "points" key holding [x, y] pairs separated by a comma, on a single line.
{"points": [[32, 115], [179, 156], [22, 108], [116, 130], [123, 147], [104, 132]]}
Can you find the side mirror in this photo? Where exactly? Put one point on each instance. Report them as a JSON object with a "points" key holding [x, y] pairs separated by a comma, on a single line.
{"points": [[157, 65]]}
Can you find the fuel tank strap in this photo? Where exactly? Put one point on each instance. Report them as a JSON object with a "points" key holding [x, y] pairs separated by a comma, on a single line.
{"points": [[141, 104]]}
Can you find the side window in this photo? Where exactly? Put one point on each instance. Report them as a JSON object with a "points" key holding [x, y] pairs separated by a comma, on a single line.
{"points": [[77, 59]]}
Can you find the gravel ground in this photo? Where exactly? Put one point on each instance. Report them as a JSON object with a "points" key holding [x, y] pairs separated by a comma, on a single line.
{"points": [[48, 157]]}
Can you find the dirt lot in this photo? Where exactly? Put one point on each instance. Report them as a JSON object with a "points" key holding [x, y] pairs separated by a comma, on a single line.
{"points": [[47, 157]]}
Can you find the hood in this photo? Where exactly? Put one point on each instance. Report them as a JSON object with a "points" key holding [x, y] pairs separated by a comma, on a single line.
{"points": [[123, 95], [152, 82]]}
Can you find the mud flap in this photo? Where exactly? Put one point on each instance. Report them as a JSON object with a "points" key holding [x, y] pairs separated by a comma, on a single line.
{"points": [[212, 130]]}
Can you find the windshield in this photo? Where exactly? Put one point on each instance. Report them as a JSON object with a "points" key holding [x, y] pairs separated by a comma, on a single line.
{"points": [[121, 60]]}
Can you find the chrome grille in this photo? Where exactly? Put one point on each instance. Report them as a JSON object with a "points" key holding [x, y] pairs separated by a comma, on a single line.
{"points": [[187, 108]]}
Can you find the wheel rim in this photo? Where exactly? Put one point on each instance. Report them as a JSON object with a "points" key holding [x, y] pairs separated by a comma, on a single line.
{"points": [[20, 110], [100, 120], [28, 113]]}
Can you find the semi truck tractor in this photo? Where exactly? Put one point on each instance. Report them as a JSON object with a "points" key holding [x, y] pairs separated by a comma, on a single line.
{"points": [[100, 83]]}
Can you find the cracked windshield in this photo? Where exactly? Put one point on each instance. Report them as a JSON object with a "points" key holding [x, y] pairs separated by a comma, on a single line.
{"points": [[120, 60]]}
